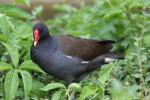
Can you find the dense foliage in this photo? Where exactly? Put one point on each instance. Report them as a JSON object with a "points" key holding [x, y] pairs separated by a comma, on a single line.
{"points": [[125, 21]]}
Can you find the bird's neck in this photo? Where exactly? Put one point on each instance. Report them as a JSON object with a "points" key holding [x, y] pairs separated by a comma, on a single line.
{"points": [[45, 37], [48, 42]]}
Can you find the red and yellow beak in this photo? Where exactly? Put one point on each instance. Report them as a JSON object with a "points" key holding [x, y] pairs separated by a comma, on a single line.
{"points": [[36, 36]]}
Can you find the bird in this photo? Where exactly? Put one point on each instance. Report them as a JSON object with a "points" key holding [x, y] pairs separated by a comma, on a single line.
{"points": [[47, 53], [85, 49]]}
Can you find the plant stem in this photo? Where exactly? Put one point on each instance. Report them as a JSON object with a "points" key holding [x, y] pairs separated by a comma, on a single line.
{"points": [[139, 46], [68, 95], [144, 92], [140, 67]]}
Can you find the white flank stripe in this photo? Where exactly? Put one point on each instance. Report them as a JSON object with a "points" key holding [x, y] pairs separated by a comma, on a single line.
{"points": [[84, 62], [109, 59], [69, 57]]}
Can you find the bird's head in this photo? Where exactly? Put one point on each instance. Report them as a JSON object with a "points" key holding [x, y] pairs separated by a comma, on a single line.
{"points": [[40, 31]]}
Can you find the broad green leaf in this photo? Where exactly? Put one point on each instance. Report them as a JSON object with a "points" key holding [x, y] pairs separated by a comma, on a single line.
{"points": [[11, 84], [23, 1], [64, 8], [26, 44], [133, 4], [53, 86], [15, 12], [3, 38], [87, 91], [27, 82], [14, 54], [113, 12], [36, 85], [4, 24], [57, 95], [19, 32], [118, 92], [29, 65], [147, 40], [4, 66], [74, 87], [105, 73]]}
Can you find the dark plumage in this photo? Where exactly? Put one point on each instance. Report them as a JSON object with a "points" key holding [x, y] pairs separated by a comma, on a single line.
{"points": [[83, 48], [48, 53]]}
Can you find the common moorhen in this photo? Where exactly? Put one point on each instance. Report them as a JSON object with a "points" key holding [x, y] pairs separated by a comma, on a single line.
{"points": [[47, 53], [85, 49]]}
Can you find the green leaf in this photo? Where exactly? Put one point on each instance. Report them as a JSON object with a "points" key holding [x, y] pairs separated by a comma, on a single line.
{"points": [[36, 85], [23, 1], [53, 86], [57, 95], [87, 91], [105, 73], [4, 66], [114, 11], [147, 40], [11, 84], [29, 65], [136, 75], [118, 92], [37, 10], [133, 4], [27, 29], [3, 37], [15, 12], [74, 87], [5, 24], [27, 82], [14, 54]]}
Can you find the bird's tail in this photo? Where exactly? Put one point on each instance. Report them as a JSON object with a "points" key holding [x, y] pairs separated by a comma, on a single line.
{"points": [[107, 44]]}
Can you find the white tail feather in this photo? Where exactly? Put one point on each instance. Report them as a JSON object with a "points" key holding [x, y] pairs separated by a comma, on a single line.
{"points": [[109, 59]]}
